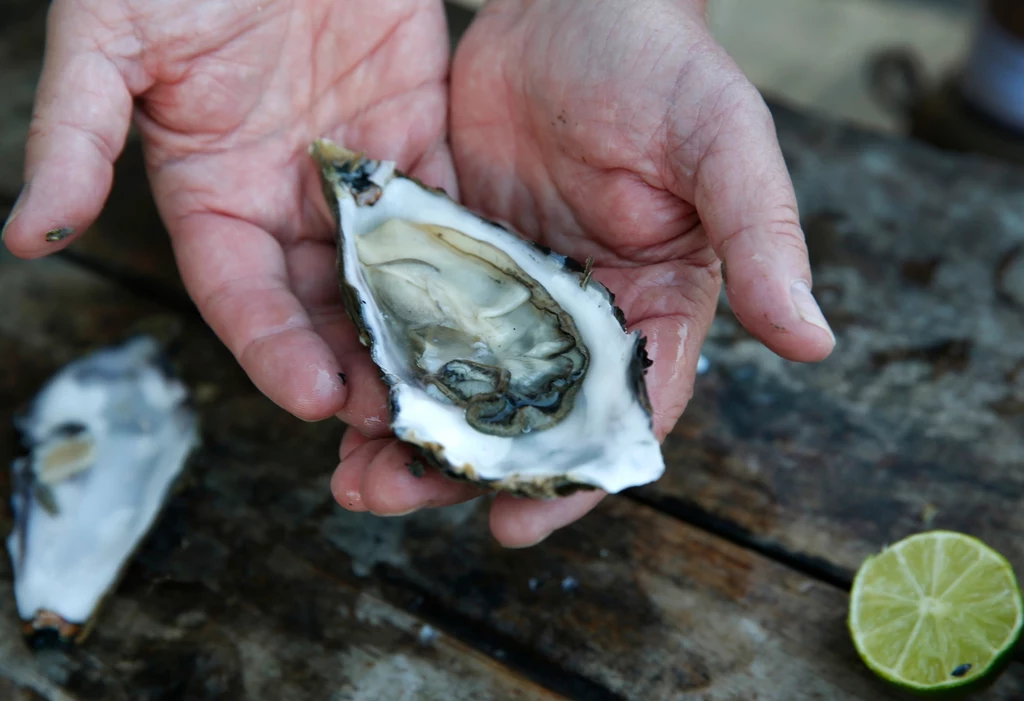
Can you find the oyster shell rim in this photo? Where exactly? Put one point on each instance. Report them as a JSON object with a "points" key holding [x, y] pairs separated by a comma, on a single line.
{"points": [[333, 159]]}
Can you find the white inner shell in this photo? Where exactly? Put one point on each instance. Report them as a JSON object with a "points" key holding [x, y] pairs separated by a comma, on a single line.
{"points": [[142, 435], [605, 441]]}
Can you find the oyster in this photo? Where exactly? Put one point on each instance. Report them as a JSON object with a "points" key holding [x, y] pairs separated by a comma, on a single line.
{"points": [[507, 365], [107, 437]]}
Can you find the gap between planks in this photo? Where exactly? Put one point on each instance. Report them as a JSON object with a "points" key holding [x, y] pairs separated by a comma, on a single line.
{"points": [[693, 515]]}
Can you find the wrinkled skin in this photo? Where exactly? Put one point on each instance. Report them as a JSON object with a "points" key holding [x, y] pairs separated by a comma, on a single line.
{"points": [[620, 130], [610, 128], [229, 96]]}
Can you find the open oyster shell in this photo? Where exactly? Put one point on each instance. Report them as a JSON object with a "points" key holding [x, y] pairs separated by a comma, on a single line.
{"points": [[507, 365], [107, 437]]}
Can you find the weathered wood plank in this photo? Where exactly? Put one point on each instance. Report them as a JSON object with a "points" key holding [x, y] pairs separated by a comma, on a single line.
{"points": [[322, 641], [914, 422], [626, 604], [207, 611], [828, 461], [917, 420]]}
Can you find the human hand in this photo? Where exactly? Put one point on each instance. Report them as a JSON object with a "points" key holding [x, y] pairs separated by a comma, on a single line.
{"points": [[622, 130], [227, 96]]}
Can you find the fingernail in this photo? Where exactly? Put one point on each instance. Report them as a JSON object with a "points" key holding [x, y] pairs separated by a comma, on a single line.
{"points": [[523, 546], [808, 308], [15, 211]]}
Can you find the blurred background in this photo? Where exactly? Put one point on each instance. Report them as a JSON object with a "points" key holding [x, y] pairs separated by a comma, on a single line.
{"points": [[817, 54]]}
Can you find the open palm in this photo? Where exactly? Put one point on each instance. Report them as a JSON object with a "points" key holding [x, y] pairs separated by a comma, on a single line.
{"points": [[229, 95], [620, 130]]}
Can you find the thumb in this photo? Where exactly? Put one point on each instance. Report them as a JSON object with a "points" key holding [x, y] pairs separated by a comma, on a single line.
{"points": [[745, 200], [79, 126]]}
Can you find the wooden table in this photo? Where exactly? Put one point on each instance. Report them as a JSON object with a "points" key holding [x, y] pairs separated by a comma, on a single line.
{"points": [[725, 581]]}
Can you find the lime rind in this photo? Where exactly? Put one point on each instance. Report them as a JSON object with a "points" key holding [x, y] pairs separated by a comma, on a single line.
{"points": [[908, 591]]}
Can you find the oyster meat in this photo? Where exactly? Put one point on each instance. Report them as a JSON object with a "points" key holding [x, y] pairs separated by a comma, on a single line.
{"points": [[106, 439], [507, 365]]}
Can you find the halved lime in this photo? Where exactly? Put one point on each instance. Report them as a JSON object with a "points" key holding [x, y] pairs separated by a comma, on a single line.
{"points": [[936, 611]]}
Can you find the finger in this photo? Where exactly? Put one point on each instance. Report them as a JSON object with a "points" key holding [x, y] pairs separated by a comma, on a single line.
{"points": [[375, 475], [78, 129], [391, 488], [237, 274], [672, 305], [347, 480], [746, 202], [311, 265], [346, 487], [520, 523], [673, 345]]}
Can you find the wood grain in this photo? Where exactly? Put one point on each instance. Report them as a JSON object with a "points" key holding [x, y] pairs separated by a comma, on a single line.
{"points": [[254, 579], [209, 610], [917, 420]]}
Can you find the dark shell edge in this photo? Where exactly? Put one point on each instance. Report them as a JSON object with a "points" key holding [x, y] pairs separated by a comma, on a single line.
{"points": [[552, 487], [432, 454]]}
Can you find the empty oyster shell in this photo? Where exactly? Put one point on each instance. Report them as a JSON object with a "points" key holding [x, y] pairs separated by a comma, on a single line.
{"points": [[507, 365], [107, 437]]}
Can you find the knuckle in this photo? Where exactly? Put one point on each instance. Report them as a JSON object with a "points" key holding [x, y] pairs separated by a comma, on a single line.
{"points": [[779, 230]]}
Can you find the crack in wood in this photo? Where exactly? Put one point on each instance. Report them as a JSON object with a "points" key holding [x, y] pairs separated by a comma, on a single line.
{"points": [[501, 648], [814, 567]]}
